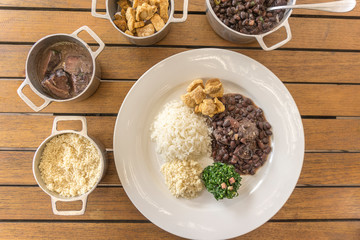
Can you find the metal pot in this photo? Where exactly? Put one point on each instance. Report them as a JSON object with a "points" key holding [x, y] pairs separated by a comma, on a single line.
{"points": [[234, 36], [111, 9], [37, 157], [32, 76]]}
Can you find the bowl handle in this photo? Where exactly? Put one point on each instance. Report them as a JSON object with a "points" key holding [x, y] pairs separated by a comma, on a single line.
{"points": [[260, 38], [94, 36], [185, 13], [72, 212], [28, 101], [70, 118], [95, 14]]}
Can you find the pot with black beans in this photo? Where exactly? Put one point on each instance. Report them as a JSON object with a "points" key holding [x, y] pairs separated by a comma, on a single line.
{"points": [[243, 21]]}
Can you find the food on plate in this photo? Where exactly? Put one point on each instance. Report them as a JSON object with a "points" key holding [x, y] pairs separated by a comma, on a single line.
{"points": [[248, 16], [180, 134], [65, 70], [221, 180], [240, 139], [70, 165], [183, 177], [141, 18], [241, 134], [204, 99]]}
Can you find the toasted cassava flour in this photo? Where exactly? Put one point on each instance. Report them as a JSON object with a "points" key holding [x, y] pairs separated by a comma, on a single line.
{"points": [[183, 177], [180, 133], [70, 165]]}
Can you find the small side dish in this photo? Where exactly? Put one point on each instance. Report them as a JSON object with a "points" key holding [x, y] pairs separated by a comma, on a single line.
{"points": [[239, 133], [65, 69], [70, 165], [141, 18], [248, 16]]}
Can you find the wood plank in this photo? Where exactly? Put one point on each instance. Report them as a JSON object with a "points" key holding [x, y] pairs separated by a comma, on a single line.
{"points": [[270, 230], [321, 33], [17, 169], [28, 131], [194, 5], [318, 169], [112, 203], [116, 62], [311, 99], [330, 169]]}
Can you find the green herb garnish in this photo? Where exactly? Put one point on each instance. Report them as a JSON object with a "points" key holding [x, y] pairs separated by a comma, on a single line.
{"points": [[221, 180], [217, 2]]}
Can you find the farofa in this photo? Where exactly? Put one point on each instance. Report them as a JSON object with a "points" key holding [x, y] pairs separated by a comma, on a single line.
{"points": [[70, 165]]}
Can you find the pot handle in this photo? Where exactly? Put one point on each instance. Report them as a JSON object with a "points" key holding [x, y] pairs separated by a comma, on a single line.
{"points": [[95, 14], [28, 101], [185, 13], [94, 36], [260, 38], [70, 118], [72, 212]]}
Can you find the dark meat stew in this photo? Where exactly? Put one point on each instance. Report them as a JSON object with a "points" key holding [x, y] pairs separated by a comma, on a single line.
{"points": [[65, 69], [241, 134]]}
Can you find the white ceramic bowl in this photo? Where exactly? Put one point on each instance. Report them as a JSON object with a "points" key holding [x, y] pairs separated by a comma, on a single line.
{"points": [[55, 197]]}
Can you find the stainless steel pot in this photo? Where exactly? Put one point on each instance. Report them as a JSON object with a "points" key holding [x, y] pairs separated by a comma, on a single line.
{"points": [[111, 9], [234, 36], [37, 157], [32, 76]]}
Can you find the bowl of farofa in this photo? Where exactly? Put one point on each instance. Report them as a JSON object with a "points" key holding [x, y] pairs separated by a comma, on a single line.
{"points": [[68, 165]]}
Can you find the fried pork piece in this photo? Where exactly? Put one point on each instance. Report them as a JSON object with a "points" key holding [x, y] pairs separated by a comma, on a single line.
{"points": [[137, 3], [147, 30], [139, 24], [207, 107], [219, 105], [129, 33], [145, 12], [123, 4], [210, 107], [194, 84], [130, 17], [120, 21], [157, 21], [154, 3], [214, 88], [188, 100], [163, 9], [196, 96]]}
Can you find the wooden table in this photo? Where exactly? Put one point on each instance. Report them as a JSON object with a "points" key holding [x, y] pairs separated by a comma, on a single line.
{"points": [[320, 66]]}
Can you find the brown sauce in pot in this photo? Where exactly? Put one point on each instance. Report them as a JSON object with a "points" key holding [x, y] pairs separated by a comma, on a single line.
{"points": [[65, 70]]}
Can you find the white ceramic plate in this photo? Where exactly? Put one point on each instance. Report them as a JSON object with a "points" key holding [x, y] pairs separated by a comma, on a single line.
{"points": [[138, 165]]}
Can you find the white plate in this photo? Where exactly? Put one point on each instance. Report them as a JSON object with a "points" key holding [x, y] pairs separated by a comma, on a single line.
{"points": [[138, 165]]}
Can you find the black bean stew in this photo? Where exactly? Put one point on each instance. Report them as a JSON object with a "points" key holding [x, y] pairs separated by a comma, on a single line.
{"points": [[248, 16], [241, 134]]}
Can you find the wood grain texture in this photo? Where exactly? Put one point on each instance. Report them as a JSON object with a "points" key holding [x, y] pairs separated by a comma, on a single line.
{"points": [[112, 203], [314, 99], [28, 131], [336, 169], [131, 63], [319, 30], [269, 231], [194, 5]]}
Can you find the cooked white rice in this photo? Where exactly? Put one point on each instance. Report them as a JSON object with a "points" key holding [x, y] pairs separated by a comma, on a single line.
{"points": [[180, 133]]}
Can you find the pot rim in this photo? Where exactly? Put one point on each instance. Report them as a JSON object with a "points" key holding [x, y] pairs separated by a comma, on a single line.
{"points": [[84, 45]]}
